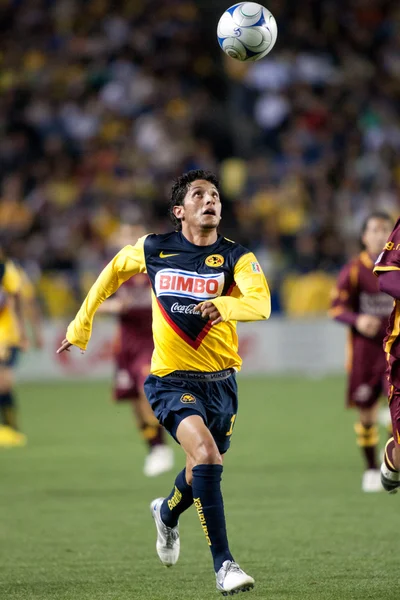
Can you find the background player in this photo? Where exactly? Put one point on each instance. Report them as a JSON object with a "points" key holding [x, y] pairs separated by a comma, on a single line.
{"points": [[132, 355], [359, 303], [12, 340], [202, 284], [387, 268]]}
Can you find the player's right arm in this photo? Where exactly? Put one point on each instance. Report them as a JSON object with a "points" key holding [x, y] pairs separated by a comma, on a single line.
{"points": [[344, 302], [128, 262]]}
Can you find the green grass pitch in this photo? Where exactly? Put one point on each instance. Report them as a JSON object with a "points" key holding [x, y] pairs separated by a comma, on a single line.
{"points": [[75, 522]]}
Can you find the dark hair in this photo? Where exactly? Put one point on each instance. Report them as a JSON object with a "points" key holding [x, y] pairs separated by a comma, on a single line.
{"points": [[378, 214], [180, 188]]}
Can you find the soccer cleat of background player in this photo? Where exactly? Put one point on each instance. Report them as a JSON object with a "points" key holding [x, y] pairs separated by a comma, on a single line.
{"points": [[359, 303], [132, 356], [202, 284], [387, 268]]}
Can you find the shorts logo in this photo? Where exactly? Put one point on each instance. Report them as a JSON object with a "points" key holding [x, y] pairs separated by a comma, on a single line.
{"points": [[215, 260], [188, 284], [188, 399], [255, 267]]}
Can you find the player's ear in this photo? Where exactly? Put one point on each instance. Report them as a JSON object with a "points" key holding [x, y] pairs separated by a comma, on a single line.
{"points": [[179, 211]]}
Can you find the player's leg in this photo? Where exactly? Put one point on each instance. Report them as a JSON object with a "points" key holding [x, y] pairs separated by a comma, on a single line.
{"points": [[368, 440], [390, 468], [204, 471], [364, 390], [9, 434], [131, 370], [384, 417], [161, 457], [182, 407]]}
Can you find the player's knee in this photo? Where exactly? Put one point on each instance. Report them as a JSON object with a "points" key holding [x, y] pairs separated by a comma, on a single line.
{"points": [[396, 457], [6, 379], [207, 453]]}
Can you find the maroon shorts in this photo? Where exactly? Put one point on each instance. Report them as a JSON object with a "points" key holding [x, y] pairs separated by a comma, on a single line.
{"points": [[367, 379], [393, 374], [132, 368]]}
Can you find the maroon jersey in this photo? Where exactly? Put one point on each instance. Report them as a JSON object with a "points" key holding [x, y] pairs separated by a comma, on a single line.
{"points": [[357, 292], [135, 322], [389, 260], [134, 344]]}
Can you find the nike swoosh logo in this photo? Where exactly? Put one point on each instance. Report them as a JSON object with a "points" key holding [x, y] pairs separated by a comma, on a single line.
{"points": [[162, 255]]}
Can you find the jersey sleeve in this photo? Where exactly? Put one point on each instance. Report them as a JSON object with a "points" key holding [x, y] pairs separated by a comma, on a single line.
{"points": [[389, 259], [254, 302], [128, 262], [343, 297], [12, 280]]}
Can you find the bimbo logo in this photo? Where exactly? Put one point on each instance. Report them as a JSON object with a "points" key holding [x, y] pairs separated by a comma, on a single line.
{"points": [[188, 284]]}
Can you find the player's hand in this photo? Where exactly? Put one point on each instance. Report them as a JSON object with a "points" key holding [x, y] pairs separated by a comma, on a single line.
{"points": [[210, 312], [65, 346], [368, 325]]}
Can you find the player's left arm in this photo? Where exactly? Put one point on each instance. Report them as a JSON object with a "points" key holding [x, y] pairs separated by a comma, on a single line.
{"points": [[255, 301], [128, 262]]}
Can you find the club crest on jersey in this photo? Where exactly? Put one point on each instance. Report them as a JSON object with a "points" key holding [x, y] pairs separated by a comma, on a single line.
{"points": [[188, 284], [188, 399], [214, 260], [255, 267]]}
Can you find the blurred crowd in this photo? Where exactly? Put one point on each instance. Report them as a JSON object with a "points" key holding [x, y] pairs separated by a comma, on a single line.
{"points": [[103, 103]]}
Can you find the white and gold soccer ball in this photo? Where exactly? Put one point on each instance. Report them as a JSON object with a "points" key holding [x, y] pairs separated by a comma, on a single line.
{"points": [[247, 31]]}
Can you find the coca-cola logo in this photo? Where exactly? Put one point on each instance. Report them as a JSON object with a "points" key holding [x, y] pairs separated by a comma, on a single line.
{"points": [[184, 309]]}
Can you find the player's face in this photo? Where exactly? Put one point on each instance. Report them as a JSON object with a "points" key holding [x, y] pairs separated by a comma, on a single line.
{"points": [[376, 235], [201, 206]]}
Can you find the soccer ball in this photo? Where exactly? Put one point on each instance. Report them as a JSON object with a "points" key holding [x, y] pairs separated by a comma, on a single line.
{"points": [[247, 31]]}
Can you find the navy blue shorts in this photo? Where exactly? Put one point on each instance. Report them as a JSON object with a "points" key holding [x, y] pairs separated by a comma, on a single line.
{"points": [[9, 356], [172, 400]]}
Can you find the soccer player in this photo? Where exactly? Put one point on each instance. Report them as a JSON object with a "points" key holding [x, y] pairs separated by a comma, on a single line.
{"points": [[387, 267], [360, 304], [202, 284], [132, 356], [12, 340]]}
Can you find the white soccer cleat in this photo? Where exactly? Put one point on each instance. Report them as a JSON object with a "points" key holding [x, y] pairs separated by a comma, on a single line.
{"points": [[232, 580], [159, 460], [371, 481], [390, 479], [168, 544]]}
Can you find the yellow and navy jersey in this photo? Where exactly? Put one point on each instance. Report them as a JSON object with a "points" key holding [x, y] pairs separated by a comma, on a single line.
{"points": [[182, 275], [28, 292], [10, 285]]}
